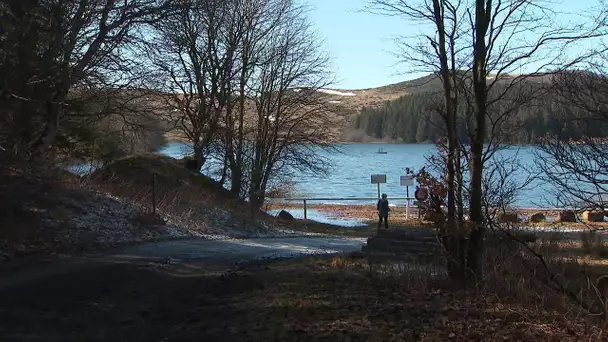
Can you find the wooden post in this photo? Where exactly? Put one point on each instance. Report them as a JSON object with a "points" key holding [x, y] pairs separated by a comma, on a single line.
{"points": [[153, 194], [305, 215], [378, 190], [407, 202]]}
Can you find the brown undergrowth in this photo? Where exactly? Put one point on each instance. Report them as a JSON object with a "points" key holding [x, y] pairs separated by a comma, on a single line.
{"points": [[50, 214], [319, 298], [342, 298], [187, 199], [558, 271]]}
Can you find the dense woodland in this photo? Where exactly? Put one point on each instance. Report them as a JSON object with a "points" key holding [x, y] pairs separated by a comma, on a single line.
{"points": [[412, 119]]}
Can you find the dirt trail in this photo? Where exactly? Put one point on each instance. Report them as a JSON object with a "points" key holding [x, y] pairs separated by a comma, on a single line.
{"points": [[227, 252], [140, 293]]}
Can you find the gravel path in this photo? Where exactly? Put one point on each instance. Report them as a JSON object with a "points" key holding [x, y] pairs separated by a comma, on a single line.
{"points": [[227, 251], [243, 249]]}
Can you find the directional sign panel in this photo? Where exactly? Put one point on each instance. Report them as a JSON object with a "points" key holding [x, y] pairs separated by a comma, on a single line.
{"points": [[378, 179], [407, 180]]}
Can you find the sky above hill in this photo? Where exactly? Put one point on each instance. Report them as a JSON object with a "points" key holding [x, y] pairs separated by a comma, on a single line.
{"points": [[361, 44]]}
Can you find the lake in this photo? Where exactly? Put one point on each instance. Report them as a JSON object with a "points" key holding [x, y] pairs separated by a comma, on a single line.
{"points": [[354, 164]]}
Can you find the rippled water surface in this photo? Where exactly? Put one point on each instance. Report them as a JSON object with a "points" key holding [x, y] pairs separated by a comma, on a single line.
{"points": [[354, 164]]}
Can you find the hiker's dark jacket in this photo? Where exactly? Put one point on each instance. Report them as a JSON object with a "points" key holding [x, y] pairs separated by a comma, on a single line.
{"points": [[383, 208]]}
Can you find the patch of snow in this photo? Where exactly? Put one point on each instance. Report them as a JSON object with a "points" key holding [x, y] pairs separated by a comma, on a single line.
{"points": [[334, 101], [336, 92], [97, 220]]}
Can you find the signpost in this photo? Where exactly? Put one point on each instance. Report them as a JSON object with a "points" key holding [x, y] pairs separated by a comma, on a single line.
{"points": [[421, 195], [407, 181], [378, 179]]}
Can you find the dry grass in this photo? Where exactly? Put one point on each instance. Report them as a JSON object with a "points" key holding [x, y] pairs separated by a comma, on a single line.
{"points": [[341, 298], [136, 174], [355, 211], [353, 297], [28, 200], [560, 271], [321, 298], [164, 184], [572, 287], [309, 226], [398, 214]]}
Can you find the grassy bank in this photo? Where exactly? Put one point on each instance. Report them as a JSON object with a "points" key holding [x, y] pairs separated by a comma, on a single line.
{"points": [[135, 199], [369, 213], [369, 228]]}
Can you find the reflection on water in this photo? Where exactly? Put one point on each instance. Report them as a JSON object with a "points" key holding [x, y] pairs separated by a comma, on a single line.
{"points": [[321, 217]]}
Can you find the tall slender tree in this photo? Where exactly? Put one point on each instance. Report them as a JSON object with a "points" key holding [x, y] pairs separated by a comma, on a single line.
{"points": [[490, 43]]}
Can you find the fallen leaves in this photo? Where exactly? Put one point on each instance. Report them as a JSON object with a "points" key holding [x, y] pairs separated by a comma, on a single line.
{"points": [[331, 302]]}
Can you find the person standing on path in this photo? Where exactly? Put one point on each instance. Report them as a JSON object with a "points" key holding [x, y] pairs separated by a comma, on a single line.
{"points": [[383, 210]]}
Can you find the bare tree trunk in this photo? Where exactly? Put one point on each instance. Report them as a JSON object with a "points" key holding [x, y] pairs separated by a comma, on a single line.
{"points": [[198, 155], [225, 165], [448, 73], [254, 189], [459, 187], [475, 250], [54, 111], [237, 162]]}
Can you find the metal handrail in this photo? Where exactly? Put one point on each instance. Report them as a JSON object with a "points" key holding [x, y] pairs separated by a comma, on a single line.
{"points": [[336, 198], [306, 199]]}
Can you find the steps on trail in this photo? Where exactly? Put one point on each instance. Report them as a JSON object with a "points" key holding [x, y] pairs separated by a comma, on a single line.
{"points": [[399, 243]]}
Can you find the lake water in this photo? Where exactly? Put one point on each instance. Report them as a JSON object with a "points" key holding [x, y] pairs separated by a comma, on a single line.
{"points": [[354, 164]]}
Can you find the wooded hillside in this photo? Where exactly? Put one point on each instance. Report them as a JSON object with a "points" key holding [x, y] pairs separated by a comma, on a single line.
{"points": [[413, 118]]}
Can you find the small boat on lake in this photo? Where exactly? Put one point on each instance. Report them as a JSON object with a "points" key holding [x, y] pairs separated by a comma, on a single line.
{"points": [[381, 151]]}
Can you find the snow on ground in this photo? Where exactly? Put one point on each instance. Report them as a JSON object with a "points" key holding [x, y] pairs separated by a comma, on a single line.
{"points": [[75, 221], [321, 217], [334, 101], [336, 92]]}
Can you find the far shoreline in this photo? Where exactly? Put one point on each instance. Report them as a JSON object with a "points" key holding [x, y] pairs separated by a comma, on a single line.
{"points": [[369, 212], [173, 138]]}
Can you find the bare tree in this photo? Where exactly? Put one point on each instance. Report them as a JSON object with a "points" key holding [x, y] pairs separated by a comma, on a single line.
{"points": [[194, 55], [499, 49], [231, 72], [577, 169], [54, 47], [438, 53], [259, 19], [491, 44], [292, 119], [102, 124]]}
